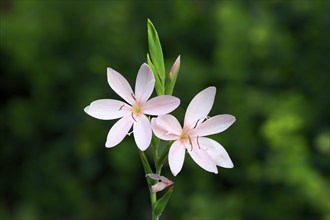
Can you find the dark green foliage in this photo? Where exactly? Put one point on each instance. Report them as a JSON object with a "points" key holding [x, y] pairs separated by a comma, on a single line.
{"points": [[268, 59]]}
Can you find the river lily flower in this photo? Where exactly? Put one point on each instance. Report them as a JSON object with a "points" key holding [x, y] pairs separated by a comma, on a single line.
{"points": [[206, 152], [133, 113]]}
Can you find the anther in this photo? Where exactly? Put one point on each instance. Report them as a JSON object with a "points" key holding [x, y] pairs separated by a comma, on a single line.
{"points": [[121, 107], [196, 123], [198, 143], [190, 143], [133, 96], [133, 117]]}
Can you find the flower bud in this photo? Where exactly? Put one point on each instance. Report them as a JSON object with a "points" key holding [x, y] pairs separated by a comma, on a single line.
{"points": [[171, 78], [175, 67]]}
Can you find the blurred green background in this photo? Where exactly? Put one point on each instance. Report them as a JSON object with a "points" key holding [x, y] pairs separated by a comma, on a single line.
{"points": [[268, 59]]}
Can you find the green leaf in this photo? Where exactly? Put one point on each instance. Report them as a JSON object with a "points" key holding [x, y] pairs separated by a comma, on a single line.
{"points": [[162, 202], [156, 53], [159, 87]]}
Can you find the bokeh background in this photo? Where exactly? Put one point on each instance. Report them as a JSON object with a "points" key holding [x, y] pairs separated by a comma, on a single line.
{"points": [[268, 59]]}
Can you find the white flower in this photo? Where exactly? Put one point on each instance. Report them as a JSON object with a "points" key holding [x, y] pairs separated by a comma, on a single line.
{"points": [[135, 110], [206, 152]]}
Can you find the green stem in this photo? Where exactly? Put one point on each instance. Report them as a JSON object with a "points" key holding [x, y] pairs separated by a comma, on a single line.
{"points": [[153, 195], [146, 166], [153, 198], [157, 208], [154, 216], [147, 170]]}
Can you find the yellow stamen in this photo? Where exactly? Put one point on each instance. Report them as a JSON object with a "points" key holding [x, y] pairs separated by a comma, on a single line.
{"points": [[136, 109], [184, 136]]}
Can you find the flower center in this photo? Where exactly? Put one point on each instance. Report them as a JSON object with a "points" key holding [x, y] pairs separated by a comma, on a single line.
{"points": [[136, 109], [184, 136]]}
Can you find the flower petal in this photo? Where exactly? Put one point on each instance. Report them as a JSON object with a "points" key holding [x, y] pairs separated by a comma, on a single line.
{"points": [[217, 152], [154, 176], [199, 107], [142, 132], [118, 131], [213, 125], [158, 187], [145, 83], [161, 105], [176, 157], [107, 109], [202, 158], [158, 177], [166, 127], [120, 85]]}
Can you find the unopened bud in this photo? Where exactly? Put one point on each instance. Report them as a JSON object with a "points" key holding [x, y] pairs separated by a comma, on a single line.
{"points": [[171, 77], [175, 67]]}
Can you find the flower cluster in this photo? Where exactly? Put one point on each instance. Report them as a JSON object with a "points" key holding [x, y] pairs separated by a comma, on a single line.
{"points": [[206, 152]]}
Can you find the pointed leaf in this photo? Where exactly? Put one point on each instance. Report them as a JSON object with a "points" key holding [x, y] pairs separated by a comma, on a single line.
{"points": [[162, 202], [159, 86], [155, 50]]}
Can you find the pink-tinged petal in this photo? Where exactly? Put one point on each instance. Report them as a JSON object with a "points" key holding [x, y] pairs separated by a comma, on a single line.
{"points": [[161, 105], [158, 177], [158, 186], [120, 85], [166, 127], [216, 151], [213, 125], [154, 176], [199, 107], [161, 133], [202, 158], [118, 131], [107, 109], [176, 157], [164, 182], [142, 132], [170, 123], [145, 83]]}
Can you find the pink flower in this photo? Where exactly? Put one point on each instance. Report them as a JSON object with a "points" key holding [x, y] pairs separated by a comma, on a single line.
{"points": [[206, 152], [134, 113]]}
